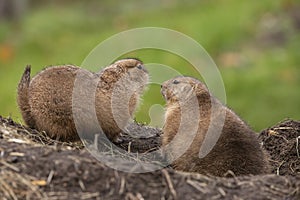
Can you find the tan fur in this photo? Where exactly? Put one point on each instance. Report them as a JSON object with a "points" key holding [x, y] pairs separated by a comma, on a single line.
{"points": [[237, 148], [46, 101]]}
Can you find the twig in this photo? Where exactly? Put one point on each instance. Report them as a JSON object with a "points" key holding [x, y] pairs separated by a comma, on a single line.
{"points": [[122, 185], [28, 183], [129, 147], [96, 141], [277, 170], [170, 184], [297, 145], [8, 189], [222, 192], [50, 176], [285, 128], [82, 186], [139, 196], [90, 195], [197, 186], [9, 166]]}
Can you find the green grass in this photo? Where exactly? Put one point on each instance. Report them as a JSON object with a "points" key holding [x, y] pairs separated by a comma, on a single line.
{"points": [[262, 89]]}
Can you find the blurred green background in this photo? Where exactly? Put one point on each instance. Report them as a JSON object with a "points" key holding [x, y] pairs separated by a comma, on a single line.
{"points": [[256, 46]]}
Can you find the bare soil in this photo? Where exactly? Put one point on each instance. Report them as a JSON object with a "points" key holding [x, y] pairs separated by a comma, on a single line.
{"points": [[33, 166]]}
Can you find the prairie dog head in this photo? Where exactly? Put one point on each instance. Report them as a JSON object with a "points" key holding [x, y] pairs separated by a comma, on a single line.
{"points": [[123, 82], [182, 88], [129, 72]]}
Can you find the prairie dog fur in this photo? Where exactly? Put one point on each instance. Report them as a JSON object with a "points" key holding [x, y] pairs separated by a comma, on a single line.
{"points": [[46, 101], [237, 148]]}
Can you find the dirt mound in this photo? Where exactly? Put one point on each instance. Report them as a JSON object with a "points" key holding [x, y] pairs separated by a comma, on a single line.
{"points": [[282, 141], [33, 166]]}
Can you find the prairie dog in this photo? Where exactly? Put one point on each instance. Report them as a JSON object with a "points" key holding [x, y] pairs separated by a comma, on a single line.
{"points": [[46, 100], [237, 148]]}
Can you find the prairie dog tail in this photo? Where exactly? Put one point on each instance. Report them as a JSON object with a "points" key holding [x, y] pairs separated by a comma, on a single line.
{"points": [[22, 99]]}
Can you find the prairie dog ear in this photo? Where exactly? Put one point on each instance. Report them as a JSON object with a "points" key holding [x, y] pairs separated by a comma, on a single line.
{"points": [[184, 91], [195, 87]]}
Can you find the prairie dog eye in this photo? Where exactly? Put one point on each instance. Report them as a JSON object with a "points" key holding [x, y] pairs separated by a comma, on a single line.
{"points": [[139, 66], [176, 81]]}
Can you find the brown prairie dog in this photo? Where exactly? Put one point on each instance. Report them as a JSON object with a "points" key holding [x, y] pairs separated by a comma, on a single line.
{"points": [[237, 149], [46, 100]]}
